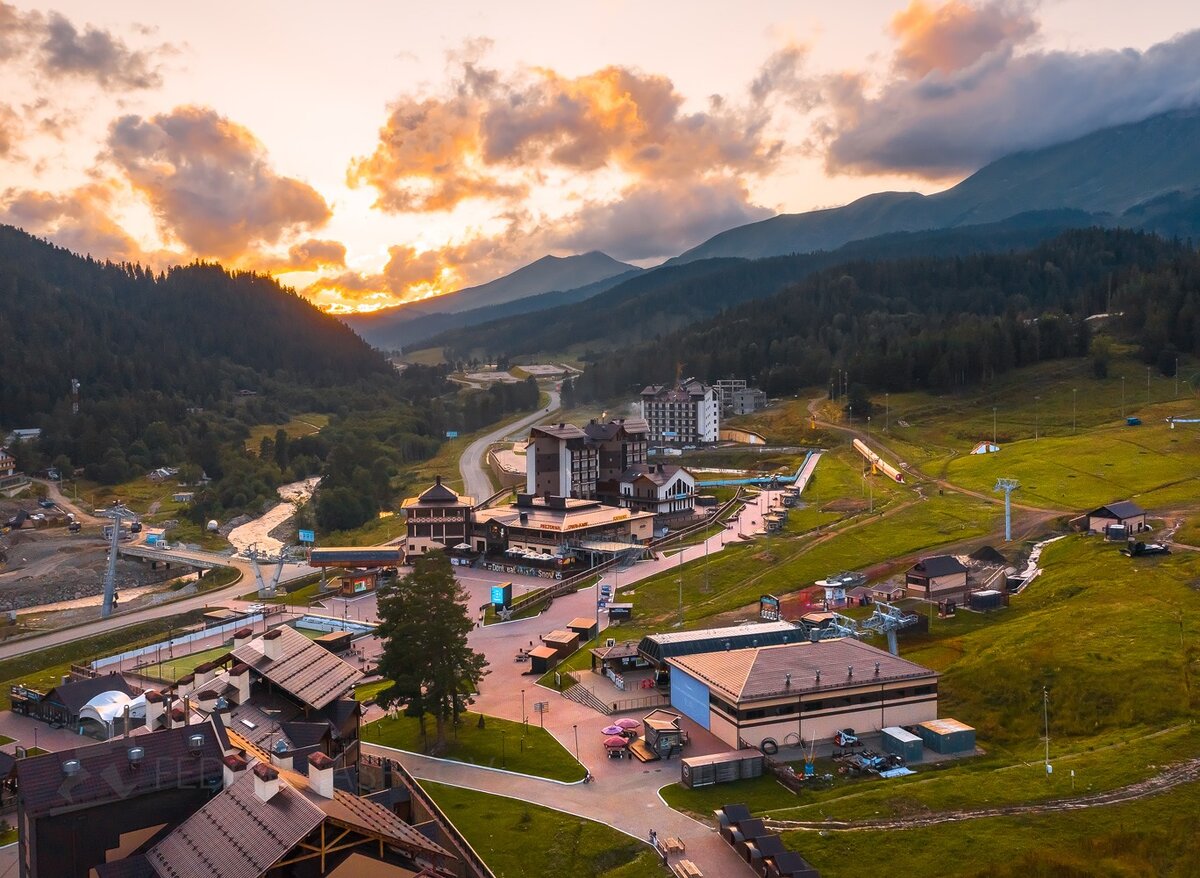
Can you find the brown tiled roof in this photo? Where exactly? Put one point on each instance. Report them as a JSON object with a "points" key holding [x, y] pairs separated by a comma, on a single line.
{"points": [[236, 834], [559, 431], [757, 673], [130, 867], [304, 670], [105, 774], [367, 816]]}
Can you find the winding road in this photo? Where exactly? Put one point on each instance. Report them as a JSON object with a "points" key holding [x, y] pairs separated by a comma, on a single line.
{"points": [[476, 481]]}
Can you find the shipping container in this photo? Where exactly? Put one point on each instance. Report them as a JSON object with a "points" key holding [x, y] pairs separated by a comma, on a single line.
{"points": [[903, 743], [947, 736]]}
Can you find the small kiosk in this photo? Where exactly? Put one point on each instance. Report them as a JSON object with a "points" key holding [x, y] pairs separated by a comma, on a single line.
{"points": [[587, 629], [562, 642], [542, 659]]}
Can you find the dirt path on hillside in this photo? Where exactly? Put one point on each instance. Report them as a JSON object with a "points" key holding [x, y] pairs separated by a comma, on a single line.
{"points": [[874, 439], [1167, 779]]}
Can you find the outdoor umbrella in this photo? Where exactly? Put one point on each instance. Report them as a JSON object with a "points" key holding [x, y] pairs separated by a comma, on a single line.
{"points": [[608, 731], [615, 743], [627, 724]]}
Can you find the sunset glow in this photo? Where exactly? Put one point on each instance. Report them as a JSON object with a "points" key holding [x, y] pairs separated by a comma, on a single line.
{"points": [[386, 155]]}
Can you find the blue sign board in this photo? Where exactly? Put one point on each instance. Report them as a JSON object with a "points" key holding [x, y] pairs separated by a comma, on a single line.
{"points": [[502, 595], [451, 434], [308, 536]]}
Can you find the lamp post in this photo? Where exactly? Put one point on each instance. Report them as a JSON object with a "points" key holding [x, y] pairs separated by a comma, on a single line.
{"points": [[576, 728], [1074, 397], [524, 718], [993, 425]]}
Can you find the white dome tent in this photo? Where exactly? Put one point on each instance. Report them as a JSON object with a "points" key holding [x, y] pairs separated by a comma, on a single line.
{"points": [[106, 707]]}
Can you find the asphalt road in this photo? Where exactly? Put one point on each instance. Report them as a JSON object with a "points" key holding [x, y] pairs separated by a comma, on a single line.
{"points": [[472, 464]]}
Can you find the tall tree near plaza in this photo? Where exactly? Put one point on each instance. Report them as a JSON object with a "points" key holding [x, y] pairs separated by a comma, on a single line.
{"points": [[424, 623]]}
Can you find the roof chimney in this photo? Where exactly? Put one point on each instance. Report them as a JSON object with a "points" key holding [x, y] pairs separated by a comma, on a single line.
{"points": [[818, 677], [242, 635], [320, 775], [271, 645], [787, 681], [850, 671], [234, 766], [437, 480], [240, 676], [266, 782], [876, 669]]}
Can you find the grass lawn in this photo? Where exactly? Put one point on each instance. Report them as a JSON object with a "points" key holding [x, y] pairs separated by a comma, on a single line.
{"points": [[139, 494], [500, 744], [368, 691], [5, 739], [175, 668], [308, 589], [301, 425], [36, 751], [1089, 469], [190, 533], [375, 532], [9, 836], [520, 840], [740, 573], [1155, 836], [45, 668]]}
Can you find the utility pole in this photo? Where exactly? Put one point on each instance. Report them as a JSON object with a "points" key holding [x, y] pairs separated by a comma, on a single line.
{"points": [[1147, 385], [681, 584], [993, 425], [1177, 377], [1046, 718]]}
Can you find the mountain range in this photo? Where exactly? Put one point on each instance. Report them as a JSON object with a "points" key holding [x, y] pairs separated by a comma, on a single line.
{"points": [[585, 275], [1143, 175]]}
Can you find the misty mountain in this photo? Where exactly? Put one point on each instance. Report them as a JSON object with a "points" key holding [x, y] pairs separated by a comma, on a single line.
{"points": [[410, 333], [671, 297], [385, 328], [1108, 173]]}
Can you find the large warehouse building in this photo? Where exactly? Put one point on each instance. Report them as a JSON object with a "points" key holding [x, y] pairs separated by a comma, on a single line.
{"points": [[790, 692]]}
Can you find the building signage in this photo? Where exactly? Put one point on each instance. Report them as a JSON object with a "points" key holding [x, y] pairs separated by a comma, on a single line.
{"points": [[307, 536], [502, 595], [451, 434], [768, 608]]}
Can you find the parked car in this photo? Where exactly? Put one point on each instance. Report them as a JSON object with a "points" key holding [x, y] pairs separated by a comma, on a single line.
{"points": [[46, 504], [74, 527], [136, 527]]}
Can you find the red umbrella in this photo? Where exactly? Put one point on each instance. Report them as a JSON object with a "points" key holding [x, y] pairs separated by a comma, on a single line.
{"points": [[627, 723], [615, 743]]}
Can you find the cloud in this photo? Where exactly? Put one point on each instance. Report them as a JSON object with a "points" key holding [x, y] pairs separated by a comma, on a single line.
{"points": [[957, 34], [650, 222], [95, 54], [312, 254], [80, 220], [54, 47], [10, 130], [210, 182], [966, 91], [490, 136]]}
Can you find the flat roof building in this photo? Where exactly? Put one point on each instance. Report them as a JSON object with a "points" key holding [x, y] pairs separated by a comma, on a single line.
{"points": [[794, 692], [687, 414]]}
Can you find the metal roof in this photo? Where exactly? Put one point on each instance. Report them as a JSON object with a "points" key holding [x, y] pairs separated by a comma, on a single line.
{"points": [[660, 647], [305, 670], [1120, 509], [236, 834], [790, 669], [938, 565], [105, 773]]}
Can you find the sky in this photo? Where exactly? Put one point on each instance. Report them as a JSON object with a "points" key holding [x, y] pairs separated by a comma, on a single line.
{"points": [[371, 154]]}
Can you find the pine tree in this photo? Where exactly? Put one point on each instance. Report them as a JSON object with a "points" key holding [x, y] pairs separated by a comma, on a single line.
{"points": [[424, 623]]}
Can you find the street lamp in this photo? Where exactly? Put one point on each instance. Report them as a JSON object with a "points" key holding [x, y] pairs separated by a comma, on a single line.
{"points": [[524, 718], [576, 728]]}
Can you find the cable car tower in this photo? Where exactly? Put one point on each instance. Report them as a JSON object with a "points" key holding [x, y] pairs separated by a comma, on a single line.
{"points": [[1007, 486], [887, 620], [117, 513]]}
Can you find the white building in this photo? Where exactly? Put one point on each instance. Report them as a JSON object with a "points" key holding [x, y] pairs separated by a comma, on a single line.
{"points": [[687, 414], [659, 488]]}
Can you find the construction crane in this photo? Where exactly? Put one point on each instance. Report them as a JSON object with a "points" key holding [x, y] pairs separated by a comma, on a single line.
{"points": [[117, 513], [265, 591], [887, 620], [1007, 486]]}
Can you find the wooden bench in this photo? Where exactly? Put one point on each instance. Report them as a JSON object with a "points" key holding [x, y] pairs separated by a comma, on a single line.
{"points": [[674, 846], [686, 869]]}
